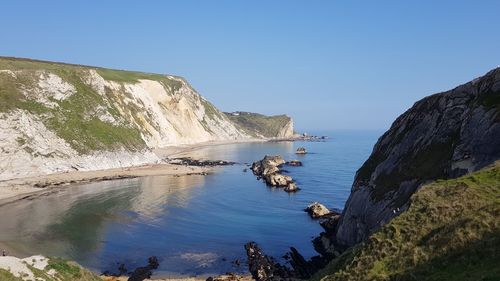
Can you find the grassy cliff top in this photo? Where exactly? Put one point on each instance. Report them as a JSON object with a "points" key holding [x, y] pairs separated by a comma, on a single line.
{"points": [[255, 124], [450, 232]]}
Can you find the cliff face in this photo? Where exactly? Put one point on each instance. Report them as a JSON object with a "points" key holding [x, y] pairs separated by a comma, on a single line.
{"points": [[261, 126], [445, 135], [58, 117]]}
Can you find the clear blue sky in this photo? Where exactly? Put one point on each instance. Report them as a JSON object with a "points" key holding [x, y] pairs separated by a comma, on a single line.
{"points": [[329, 64]]}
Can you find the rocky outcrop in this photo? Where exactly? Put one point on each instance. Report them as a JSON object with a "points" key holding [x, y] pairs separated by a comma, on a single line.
{"points": [[442, 136], [317, 210], [268, 169], [263, 267]]}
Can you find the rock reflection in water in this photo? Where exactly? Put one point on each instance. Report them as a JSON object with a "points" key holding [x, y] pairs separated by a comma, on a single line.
{"points": [[155, 193]]}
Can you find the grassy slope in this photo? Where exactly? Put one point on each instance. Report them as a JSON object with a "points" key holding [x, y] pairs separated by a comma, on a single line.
{"points": [[69, 120], [256, 124], [66, 271], [450, 232]]}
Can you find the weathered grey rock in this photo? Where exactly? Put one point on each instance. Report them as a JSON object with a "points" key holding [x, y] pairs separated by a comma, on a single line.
{"points": [[317, 210], [445, 135], [268, 165], [277, 179]]}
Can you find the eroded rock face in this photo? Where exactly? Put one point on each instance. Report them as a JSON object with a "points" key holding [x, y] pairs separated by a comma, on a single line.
{"points": [[445, 135]]}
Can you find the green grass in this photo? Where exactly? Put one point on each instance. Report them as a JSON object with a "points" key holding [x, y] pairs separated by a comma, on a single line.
{"points": [[66, 271], [71, 119], [256, 124], [7, 276], [450, 232]]}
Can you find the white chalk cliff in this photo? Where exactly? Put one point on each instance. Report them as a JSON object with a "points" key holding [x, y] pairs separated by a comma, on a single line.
{"points": [[59, 117]]}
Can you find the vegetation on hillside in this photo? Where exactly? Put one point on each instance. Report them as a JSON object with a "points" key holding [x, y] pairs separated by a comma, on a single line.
{"points": [[65, 271], [258, 125], [72, 119], [451, 231]]}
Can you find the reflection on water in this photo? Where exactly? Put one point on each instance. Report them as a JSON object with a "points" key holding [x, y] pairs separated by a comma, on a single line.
{"points": [[72, 223], [193, 224]]}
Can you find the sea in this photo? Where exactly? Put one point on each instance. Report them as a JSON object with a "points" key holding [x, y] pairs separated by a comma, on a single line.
{"points": [[195, 225]]}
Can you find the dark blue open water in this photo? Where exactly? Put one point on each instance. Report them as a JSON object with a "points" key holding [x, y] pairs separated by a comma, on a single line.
{"points": [[195, 225]]}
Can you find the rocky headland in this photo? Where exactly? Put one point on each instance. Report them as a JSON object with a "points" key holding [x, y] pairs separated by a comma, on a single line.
{"points": [[62, 118]]}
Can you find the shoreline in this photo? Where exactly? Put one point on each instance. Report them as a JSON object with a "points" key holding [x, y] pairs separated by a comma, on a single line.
{"points": [[29, 188], [12, 190]]}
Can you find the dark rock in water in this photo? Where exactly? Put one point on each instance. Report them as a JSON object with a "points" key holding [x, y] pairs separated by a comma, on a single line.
{"points": [[442, 136], [295, 163], [303, 269], [145, 272], [262, 267], [324, 244], [186, 161], [301, 150]]}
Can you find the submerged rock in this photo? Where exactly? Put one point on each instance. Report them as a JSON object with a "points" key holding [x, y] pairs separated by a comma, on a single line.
{"points": [[295, 163]]}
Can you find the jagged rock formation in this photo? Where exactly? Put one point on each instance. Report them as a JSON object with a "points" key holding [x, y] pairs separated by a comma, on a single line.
{"points": [[261, 126], [442, 136], [58, 117]]}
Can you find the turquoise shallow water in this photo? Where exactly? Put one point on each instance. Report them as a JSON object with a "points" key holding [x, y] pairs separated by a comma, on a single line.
{"points": [[195, 225]]}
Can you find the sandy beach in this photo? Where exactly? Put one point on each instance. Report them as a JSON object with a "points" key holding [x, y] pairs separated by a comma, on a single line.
{"points": [[29, 187]]}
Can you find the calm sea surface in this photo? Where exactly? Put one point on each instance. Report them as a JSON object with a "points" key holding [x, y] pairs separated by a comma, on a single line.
{"points": [[195, 225]]}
